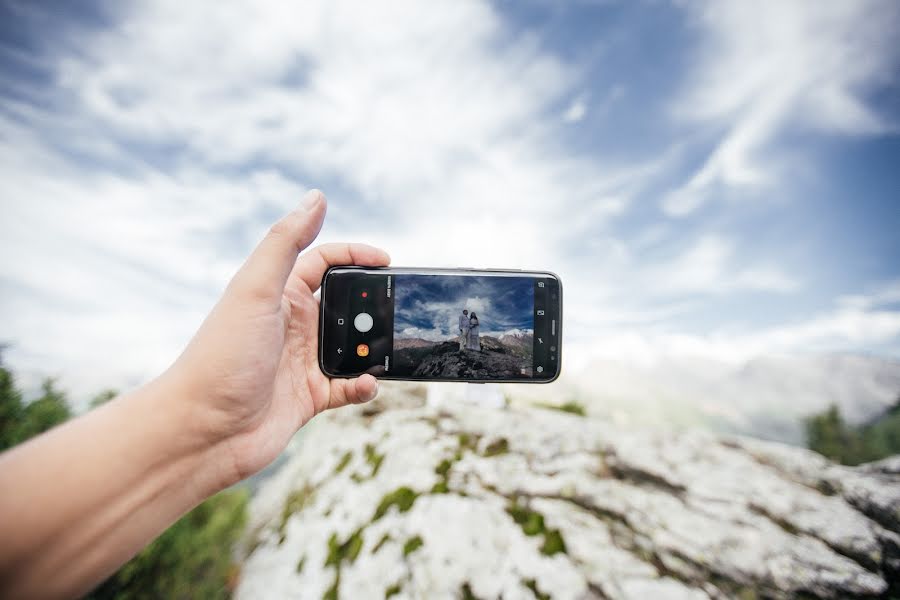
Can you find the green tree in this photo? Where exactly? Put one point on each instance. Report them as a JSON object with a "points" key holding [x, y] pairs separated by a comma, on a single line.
{"points": [[10, 409], [103, 397], [192, 559], [46, 412], [827, 433]]}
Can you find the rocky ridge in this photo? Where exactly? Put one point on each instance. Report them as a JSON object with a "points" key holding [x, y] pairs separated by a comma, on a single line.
{"points": [[444, 359], [417, 501]]}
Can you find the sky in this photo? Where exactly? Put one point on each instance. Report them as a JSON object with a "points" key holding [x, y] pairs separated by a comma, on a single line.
{"points": [[709, 179], [429, 306]]}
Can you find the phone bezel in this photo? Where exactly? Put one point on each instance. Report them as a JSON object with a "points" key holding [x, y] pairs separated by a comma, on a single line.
{"points": [[440, 271]]}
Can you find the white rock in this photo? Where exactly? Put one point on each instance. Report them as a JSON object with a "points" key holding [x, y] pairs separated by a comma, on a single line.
{"points": [[605, 513]]}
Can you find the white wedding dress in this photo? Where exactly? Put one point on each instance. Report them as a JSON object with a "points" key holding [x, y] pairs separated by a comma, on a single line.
{"points": [[474, 341]]}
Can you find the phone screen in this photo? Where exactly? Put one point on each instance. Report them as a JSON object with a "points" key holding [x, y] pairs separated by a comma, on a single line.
{"points": [[441, 325]]}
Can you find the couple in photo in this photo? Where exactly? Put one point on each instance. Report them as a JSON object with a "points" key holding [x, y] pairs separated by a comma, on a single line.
{"points": [[468, 332]]}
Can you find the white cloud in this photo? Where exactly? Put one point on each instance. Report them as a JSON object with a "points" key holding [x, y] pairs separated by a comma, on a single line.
{"points": [[766, 68], [576, 111], [168, 142], [708, 266]]}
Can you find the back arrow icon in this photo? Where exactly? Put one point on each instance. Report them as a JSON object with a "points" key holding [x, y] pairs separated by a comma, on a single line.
{"points": [[339, 351]]}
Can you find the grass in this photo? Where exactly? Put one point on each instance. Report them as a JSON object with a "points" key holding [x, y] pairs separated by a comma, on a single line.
{"points": [[339, 553], [443, 468], [553, 543], [403, 498], [532, 524], [342, 464], [332, 592], [412, 544], [374, 459], [384, 540], [348, 550], [440, 487], [571, 407], [531, 584], [296, 501], [497, 447]]}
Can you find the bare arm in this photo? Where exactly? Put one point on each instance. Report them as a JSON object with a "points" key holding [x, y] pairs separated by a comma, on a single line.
{"points": [[82, 499]]}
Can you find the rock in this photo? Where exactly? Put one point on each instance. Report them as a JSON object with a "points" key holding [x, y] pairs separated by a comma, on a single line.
{"points": [[417, 501], [446, 360]]}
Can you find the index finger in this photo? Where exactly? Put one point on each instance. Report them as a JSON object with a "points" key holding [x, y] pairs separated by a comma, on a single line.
{"points": [[311, 266]]}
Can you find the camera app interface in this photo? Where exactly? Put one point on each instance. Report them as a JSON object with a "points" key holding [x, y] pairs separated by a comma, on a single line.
{"points": [[467, 327], [442, 326]]}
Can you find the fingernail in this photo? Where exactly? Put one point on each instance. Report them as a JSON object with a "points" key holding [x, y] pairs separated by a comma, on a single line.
{"points": [[311, 199], [374, 391]]}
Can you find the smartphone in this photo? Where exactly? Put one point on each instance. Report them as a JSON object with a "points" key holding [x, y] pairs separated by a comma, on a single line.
{"points": [[441, 324]]}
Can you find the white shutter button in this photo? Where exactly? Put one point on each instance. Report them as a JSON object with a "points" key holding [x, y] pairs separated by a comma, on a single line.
{"points": [[363, 322]]}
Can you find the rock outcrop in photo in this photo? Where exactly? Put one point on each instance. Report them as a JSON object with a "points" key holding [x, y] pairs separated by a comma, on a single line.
{"points": [[497, 359], [403, 500]]}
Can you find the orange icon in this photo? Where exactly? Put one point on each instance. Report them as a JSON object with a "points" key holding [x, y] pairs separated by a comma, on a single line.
{"points": [[362, 350]]}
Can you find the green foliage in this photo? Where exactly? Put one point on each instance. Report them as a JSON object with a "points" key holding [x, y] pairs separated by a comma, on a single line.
{"points": [[384, 540], [531, 584], [339, 552], [332, 592], [571, 406], [342, 464], [192, 559], [553, 542], [295, 502], [412, 544], [374, 459], [441, 487], [532, 524], [443, 468], [465, 592], [827, 433], [403, 498], [103, 397], [11, 409], [20, 422], [500, 446], [392, 591]]}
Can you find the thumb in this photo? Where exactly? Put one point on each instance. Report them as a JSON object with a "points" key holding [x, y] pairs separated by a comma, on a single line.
{"points": [[266, 271]]}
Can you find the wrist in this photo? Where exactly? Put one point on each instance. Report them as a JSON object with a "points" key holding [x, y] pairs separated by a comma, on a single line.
{"points": [[171, 415]]}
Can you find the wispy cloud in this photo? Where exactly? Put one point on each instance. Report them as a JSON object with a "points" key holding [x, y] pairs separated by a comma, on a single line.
{"points": [[769, 69]]}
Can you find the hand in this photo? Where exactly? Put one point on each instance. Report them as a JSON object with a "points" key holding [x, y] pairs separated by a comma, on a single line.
{"points": [[251, 372]]}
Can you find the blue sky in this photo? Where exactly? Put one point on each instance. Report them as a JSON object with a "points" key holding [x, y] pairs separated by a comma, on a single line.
{"points": [[429, 306], [711, 179]]}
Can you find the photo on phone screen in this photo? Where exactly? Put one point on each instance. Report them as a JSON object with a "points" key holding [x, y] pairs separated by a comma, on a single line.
{"points": [[450, 325]]}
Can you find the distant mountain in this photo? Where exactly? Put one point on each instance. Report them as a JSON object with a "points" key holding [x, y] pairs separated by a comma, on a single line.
{"points": [[401, 343], [767, 397], [519, 343]]}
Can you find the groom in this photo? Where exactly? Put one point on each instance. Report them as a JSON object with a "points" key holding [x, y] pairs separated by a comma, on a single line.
{"points": [[463, 330]]}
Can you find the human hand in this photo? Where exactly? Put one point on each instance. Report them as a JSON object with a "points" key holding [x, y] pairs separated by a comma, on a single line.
{"points": [[251, 373]]}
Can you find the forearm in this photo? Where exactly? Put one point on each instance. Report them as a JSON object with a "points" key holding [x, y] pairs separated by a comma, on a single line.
{"points": [[82, 499]]}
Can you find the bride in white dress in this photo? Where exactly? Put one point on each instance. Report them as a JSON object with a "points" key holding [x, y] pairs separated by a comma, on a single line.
{"points": [[474, 341]]}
